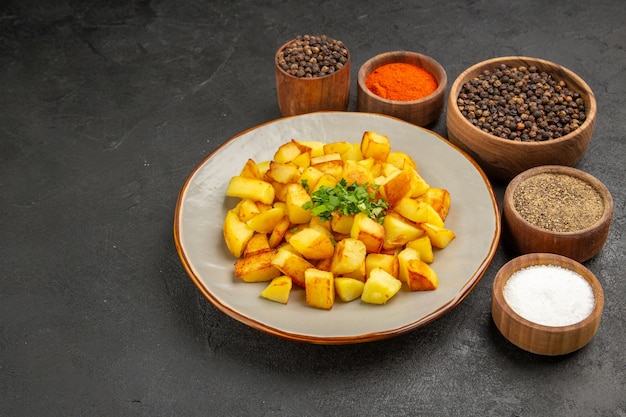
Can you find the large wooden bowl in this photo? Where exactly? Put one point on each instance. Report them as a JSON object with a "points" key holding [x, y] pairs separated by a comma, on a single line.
{"points": [[525, 237], [420, 112], [537, 338], [502, 159], [306, 95]]}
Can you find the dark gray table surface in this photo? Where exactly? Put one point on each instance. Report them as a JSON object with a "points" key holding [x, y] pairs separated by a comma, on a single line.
{"points": [[106, 107]]}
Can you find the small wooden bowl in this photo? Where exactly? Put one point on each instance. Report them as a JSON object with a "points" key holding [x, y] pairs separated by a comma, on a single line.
{"points": [[420, 112], [537, 338], [305, 95], [580, 245], [502, 159]]}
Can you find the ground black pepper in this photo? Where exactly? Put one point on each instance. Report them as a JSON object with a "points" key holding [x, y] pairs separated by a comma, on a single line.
{"points": [[313, 56], [558, 202], [521, 103]]}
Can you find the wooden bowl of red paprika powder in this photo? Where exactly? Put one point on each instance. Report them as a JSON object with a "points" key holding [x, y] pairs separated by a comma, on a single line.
{"points": [[403, 84]]}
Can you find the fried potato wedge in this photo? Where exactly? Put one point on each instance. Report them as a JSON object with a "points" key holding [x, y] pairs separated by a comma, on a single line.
{"points": [[320, 288], [290, 263], [236, 234], [380, 287], [278, 289], [257, 267], [252, 188]]}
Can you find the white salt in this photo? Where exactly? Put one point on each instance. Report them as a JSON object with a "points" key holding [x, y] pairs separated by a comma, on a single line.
{"points": [[549, 295]]}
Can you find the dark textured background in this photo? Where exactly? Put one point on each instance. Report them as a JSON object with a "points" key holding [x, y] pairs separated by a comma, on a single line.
{"points": [[106, 106]]}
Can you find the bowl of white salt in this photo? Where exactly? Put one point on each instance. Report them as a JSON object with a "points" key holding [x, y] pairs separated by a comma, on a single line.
{"points": [[546, 303]]}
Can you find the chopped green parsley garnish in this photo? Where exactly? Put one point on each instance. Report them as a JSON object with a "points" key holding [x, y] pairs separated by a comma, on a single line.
{"points": [[347, 199], [305, 185]]}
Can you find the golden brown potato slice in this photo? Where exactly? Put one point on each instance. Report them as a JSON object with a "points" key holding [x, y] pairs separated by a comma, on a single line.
{"points": [[337, 147], [385, 261], [291, 151], [326, 180], [311, 176], [395, 187], [440, 237], [372, 165], [280, 191], [247, 209], [257, 268], [341, 224], [236, 234], [349, 259], [333, 167], [374, 145], [348, 289], [421, 277], [412, 209], [312, 243], [404, 257], [296, 198], [250, 170], [254, 189], [278, 290], [355, 172], [368, 231], [424, 248], [439, 199], [266, 221], [257, 244], [316, 222], [316, 147], [303, 160], [418, 185], [400, 159], [283, 173], [399, 231], [287, 152], [324, 264], [380, 287], [279, 231], [291, 264], [353, 154], [325, 158], [433, 216], [319, 288]]}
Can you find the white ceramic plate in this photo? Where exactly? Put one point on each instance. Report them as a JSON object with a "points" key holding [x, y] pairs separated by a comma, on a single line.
{"points": [[202, 205]]}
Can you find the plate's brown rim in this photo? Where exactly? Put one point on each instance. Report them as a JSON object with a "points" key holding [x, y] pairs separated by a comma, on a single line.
{"points": [[337, 340]]}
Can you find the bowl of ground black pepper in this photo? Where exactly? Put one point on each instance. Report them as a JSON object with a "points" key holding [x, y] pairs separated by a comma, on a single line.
{"points": [[515, 113], [312, 74], [557, 209], [547, 304], [404, 84]]}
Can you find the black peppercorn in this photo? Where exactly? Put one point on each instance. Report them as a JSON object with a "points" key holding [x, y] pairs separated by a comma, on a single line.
{"points": [[526, 104], [313, 56]]}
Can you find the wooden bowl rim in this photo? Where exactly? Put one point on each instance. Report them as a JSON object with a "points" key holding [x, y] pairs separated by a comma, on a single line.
{"points": [[312, 79], [532, 259], [581, 87], [594, 182], [397, 56]]}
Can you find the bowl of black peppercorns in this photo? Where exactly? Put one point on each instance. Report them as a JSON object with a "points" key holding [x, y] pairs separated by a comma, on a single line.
{"points": [[515, 113], [312, 74]]}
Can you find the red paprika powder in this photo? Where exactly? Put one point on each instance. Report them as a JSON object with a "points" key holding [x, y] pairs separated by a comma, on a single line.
{"points": [[401, 81]]}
